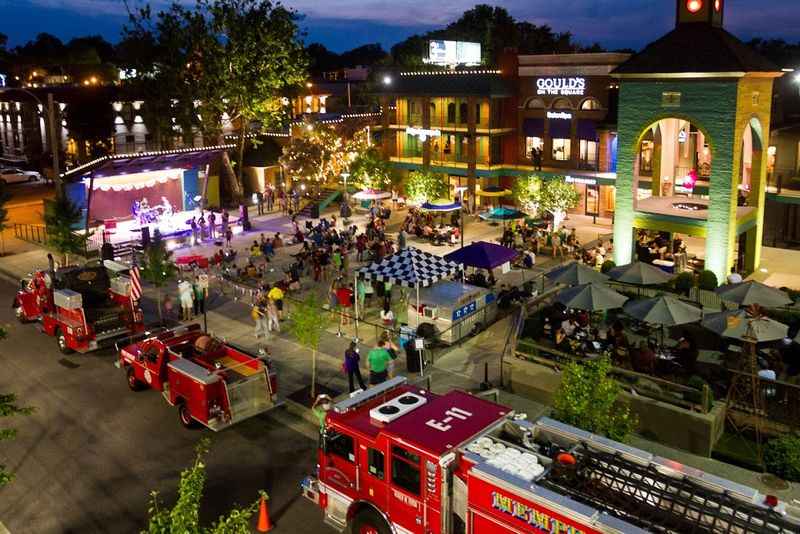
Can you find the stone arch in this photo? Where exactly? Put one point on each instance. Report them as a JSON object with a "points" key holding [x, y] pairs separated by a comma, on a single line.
{"points": [[590, 103], [561, 103], [534, 103]]}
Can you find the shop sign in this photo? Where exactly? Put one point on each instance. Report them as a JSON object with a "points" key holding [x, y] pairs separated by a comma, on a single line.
{"points": [[563, 115], [579, 180], [464, 311], [561, 86], [423, 133]]}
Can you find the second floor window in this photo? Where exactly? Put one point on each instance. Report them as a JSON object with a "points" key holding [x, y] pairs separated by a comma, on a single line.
{"points": [[451, 113]]}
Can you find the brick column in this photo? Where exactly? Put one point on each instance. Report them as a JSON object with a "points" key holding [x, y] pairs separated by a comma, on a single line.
{"points": [[472, 153]]}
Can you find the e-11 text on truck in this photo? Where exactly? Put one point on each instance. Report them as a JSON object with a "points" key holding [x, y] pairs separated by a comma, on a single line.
{"points": [[397, 459], [210, 382]]}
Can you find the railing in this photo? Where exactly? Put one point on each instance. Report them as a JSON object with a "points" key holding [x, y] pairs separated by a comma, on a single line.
{"points": [[32, 233], [679, 395], [701, 297]]}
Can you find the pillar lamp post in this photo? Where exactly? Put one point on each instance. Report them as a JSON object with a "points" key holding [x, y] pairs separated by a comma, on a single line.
{"points": [[460, 190]]}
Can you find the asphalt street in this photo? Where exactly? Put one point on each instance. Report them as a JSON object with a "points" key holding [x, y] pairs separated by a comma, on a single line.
{"points": [[89, 456]]}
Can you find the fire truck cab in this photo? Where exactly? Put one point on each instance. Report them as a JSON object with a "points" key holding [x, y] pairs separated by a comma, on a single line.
{"points": [[82, 307], [397, 459], [210, 382]]}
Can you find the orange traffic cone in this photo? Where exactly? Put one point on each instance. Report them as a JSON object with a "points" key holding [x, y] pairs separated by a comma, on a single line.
{"points": [[264, 524]]}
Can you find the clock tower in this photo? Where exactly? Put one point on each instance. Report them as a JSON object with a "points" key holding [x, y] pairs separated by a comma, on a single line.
{"points": [[707, 11]]}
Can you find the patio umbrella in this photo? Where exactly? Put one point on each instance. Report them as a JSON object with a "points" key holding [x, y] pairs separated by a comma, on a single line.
{"points": [[575, 274], [372, 194], [502, 214], [482, 255], [492, 191], [443, 205], [639, 273], [663, 311], [591, 297], [752, 292], [738, 324]]}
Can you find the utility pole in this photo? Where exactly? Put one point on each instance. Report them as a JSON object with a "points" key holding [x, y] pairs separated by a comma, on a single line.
{"points": [[54, 144]]}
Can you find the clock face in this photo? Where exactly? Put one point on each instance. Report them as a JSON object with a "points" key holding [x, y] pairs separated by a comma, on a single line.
{"points": [[694, 5], [717, 5]]}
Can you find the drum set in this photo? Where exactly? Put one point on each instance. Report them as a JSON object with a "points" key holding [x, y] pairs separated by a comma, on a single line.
{"points": [[145, 215]]}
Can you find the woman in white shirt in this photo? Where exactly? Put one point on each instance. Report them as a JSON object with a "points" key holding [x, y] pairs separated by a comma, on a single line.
{"points": [[387, 316]]}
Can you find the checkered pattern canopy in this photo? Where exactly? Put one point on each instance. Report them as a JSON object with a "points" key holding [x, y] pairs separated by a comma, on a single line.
{"points": [[410, 267]]}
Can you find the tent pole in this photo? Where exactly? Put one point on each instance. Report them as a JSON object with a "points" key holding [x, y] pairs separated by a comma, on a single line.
{"points": [[419, 351], [355, 299]]}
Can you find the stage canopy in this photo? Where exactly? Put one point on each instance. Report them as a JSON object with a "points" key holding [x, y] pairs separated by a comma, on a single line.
{"points": [[482, 255], [410, 267], [122, 164]]}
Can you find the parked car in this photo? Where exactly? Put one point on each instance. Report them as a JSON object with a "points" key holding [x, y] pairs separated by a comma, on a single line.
{"points": [[13, 175]]}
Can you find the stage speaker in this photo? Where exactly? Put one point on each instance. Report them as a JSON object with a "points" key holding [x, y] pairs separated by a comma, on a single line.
{"points": [[246, 226], [107, 251], [145, 236]]}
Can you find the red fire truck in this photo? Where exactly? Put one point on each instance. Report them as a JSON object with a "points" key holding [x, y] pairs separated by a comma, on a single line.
{"points": [[84, 308], [397, 459], [212, 383]]}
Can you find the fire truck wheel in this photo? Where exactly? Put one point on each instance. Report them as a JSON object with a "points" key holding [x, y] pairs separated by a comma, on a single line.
{"points": [[185, 417], [133, 383], [368, 521], [61, 339]]}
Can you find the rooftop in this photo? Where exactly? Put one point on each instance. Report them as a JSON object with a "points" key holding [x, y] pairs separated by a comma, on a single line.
{"points": [[448, 83], [693, 49]]}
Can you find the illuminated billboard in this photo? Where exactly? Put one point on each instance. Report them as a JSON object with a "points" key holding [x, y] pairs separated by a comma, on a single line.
{"points": [[442, 52]]}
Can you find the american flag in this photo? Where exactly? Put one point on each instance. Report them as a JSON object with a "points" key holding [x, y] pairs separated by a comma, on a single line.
{"points": [[136, 282]]}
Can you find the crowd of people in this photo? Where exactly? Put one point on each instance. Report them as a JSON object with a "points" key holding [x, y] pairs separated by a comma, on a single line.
{"points": [[423, 225]]}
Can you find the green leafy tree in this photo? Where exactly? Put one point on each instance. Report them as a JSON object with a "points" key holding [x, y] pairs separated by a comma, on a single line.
{"points": [[61, 219], [309, 321], [527, 191], [422, 186], [158, 268], [9, 408], [321, 153], [252, 57], [557, 197], [371, 171], [587, 399], [184, 516]]}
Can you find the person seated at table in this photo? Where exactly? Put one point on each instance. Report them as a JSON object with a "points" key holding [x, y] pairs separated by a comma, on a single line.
{"points": [[427, 231], [491, 281], [255, 250], [687, 353], [478, 279], [582, 318], [643, 359], [569, 326], [619, 342], [561, 340], [455, 235]]}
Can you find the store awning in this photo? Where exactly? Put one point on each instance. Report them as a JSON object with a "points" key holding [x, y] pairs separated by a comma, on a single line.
{"points": [[533, 127], [560, 129], [587, 130]]}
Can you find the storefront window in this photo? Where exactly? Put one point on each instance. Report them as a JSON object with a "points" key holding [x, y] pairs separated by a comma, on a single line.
{"points": [[588, 153], [561, 149], [590, 104], [531, 143], [646, 159]]}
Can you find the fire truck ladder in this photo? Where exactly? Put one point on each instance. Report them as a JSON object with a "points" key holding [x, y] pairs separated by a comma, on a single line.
{"points": [[644, 496]]}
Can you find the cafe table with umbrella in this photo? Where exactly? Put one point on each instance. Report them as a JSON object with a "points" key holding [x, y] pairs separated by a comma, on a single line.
{"points": [[591, 297], [743, 325], [639, 273], [664, 311], [575, 274], [752, 292], [502, 213]]}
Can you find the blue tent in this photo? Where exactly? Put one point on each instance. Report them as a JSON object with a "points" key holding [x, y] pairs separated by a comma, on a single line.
{"points": [[482, 255]]}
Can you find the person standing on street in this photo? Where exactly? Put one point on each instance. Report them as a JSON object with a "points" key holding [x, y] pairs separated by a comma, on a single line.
{"points": [[212, 225], [199, 298], [185, 294], [269, 196], [259, 315], [351, 366], [260, 202], [276, 295], [272, 316], [378, 360]]}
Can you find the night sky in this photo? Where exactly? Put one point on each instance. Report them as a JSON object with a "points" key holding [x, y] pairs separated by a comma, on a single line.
{"points": [[344, 24]]}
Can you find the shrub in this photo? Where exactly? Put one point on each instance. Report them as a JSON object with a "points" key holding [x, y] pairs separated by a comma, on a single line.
{"points": [[684, 282], [587, 399], [782, 457], [707, 281], [607, 266]]}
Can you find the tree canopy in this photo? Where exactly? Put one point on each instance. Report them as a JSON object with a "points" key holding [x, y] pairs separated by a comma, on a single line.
{"points": [[422, 186], [557, 197], [527, 190], [496, 30], [321, 153], [62, 218]]}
